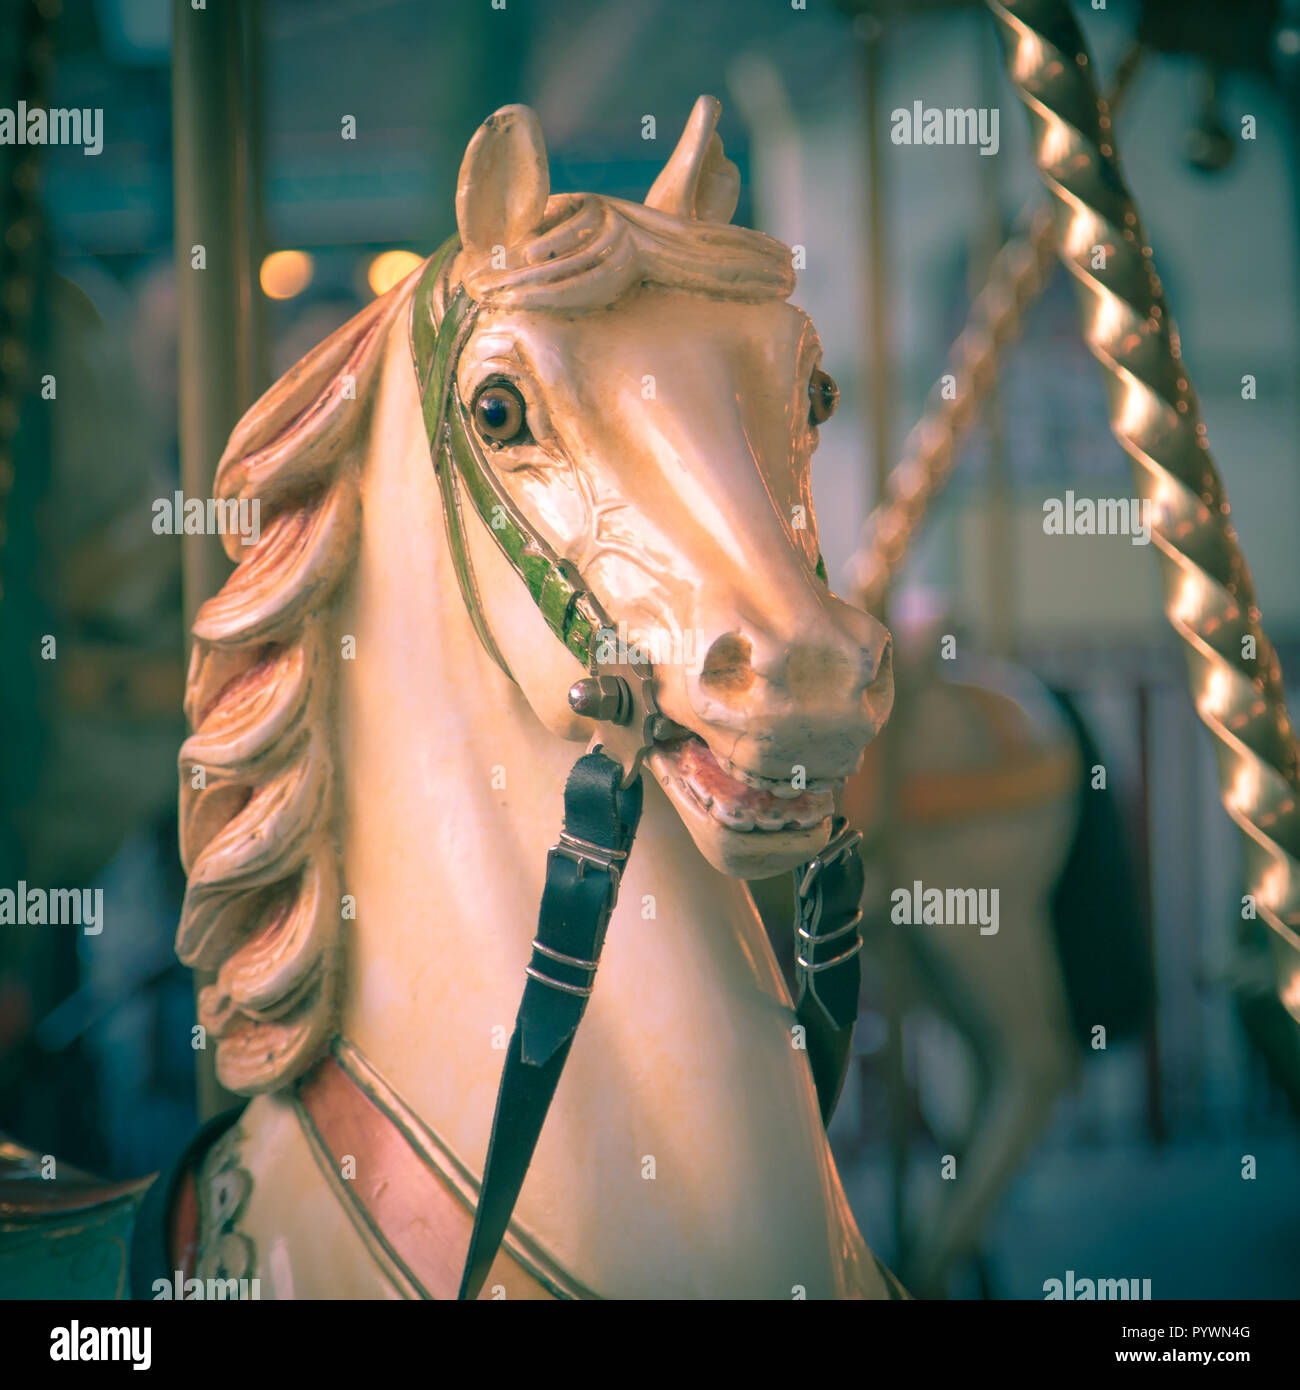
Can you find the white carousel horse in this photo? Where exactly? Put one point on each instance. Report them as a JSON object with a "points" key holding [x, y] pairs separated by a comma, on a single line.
{"points": [[368, 800]]}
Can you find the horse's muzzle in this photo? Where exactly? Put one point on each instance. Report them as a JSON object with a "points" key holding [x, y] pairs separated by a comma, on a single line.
{"points": [[803, 704]]}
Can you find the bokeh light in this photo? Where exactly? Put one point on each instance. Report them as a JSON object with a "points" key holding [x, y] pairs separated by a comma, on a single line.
{"points": [[286, 273], [389, 267]]}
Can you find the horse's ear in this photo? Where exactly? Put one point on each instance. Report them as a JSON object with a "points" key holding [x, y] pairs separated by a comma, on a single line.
{"points": [[504, 181], [698, 180]]}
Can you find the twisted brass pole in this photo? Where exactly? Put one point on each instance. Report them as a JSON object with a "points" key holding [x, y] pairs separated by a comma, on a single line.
{"points": [[1235, 678], [1016, 278]]}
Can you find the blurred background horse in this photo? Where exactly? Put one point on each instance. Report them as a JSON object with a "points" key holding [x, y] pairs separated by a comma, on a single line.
{"points": [[984, 778]]}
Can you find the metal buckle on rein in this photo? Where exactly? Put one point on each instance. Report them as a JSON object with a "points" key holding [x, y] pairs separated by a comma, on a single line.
{"points": [[582, 991], [814, 941], [584, 852], [841, 842]]}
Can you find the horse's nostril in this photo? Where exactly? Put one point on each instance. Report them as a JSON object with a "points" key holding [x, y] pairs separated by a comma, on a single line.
{"points": [[728, 668]]}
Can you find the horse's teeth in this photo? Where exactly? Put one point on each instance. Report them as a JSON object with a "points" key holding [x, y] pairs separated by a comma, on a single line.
{"points": [[773, 785], [745, 819], [738, 774], [733, 820]]}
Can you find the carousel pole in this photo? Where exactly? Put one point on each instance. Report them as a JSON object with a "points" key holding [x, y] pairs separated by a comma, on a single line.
{"points": [[212, 189], [1017, 276], [1235, 678], [999, 533], [871, 39]]}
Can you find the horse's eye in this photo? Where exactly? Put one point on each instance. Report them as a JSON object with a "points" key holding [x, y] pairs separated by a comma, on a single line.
{"points": [[822, 396], [499, 413]]}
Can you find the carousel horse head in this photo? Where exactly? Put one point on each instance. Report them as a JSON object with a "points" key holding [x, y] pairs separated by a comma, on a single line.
{"points": [[651, 402], [645, 404]]}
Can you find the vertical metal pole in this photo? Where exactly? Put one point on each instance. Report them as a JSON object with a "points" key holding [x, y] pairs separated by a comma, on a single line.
{"points": [[214, 282], [879, 382], [999, 528], [211, 164], [253, 326], [871, 35]]}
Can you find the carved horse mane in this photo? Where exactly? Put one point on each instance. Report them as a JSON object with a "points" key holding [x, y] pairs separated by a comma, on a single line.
{"points": [[258, 780]]}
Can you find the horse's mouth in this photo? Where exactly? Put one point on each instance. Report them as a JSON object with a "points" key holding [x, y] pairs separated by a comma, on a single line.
{"points": [[738, 800]]}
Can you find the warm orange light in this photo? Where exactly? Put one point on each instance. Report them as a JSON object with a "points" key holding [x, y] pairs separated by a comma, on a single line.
{"points": [[389, 267], [286, 273]]}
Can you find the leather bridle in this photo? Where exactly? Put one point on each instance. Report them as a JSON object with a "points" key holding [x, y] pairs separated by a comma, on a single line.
{"points": [[602, 800]]}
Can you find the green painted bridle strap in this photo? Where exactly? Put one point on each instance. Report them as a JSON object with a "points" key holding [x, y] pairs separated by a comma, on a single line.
{"points": [[570, 609]]}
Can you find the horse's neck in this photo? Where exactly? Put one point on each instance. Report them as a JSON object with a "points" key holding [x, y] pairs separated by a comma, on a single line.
{"points": [[684, 1145]]}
